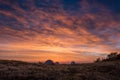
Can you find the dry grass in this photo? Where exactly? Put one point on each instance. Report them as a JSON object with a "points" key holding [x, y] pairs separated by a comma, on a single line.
{"points": [[13, 70]]}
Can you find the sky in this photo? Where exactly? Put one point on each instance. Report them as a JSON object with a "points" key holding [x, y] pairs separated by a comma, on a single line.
{"points": [[61, 30]]}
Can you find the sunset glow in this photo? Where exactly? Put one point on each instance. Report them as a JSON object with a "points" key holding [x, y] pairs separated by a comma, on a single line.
{"points": [[61, 30]]}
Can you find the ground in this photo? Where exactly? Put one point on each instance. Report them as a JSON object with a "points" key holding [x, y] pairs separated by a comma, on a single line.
{"points": [[17, 70]]}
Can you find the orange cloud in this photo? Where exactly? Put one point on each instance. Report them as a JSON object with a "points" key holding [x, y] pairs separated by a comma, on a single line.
{"points": [[57, 35]]}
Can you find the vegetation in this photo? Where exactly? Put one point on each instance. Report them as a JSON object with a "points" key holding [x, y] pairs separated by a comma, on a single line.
{"points": [[17, 70], [114, 56]]}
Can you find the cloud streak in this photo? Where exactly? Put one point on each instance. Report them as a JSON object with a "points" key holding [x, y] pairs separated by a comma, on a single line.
{"points": [[43, 26]]}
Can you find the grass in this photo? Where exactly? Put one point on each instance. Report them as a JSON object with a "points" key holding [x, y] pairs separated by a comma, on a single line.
{"points": [[18, 70]]}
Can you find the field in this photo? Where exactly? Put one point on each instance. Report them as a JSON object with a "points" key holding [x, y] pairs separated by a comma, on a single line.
{"points": [[17, 70]]}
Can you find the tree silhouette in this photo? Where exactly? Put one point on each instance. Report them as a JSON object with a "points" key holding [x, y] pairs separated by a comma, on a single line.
{"points": [[97, 60], [114, 56]]}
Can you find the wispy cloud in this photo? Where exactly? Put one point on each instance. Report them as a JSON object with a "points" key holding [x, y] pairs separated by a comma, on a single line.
{"points": [[45, 27]]}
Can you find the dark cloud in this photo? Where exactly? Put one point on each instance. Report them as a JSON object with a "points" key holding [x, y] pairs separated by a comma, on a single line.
{"points": [[88, 26], [71, 5], [113, 5]]}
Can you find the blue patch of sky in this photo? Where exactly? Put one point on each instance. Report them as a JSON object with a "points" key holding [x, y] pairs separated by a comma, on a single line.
{"points": [[113, 5], [5, 7]]}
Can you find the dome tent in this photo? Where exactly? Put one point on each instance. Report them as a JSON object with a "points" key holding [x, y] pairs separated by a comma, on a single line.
{"points": [[49, 62], [57, 63], [73, 62]]}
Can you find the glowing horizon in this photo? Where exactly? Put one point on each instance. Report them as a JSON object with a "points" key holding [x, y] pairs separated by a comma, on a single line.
{"points": [[60, 30]]}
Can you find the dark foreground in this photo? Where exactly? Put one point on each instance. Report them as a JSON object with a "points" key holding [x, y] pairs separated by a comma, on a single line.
{"points": [[14, 70]]}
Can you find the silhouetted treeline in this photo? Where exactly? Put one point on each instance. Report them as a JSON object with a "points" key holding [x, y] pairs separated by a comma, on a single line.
{"points": [[114, 56]]}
